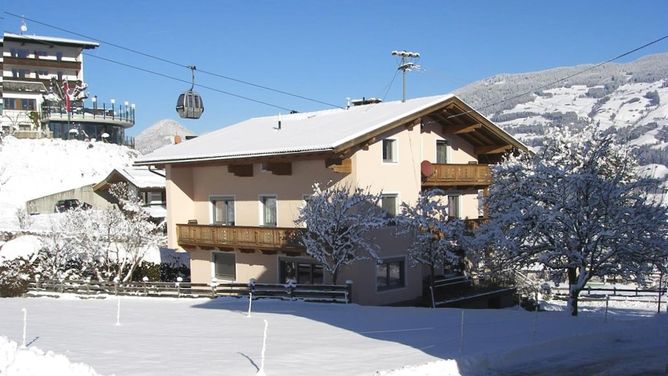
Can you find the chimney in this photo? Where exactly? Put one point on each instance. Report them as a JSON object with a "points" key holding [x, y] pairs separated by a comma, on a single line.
{"points": [[364, 101], [177, 139]]}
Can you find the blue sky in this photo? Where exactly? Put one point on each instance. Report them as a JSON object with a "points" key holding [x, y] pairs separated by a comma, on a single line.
{"points": [[330, 50]]}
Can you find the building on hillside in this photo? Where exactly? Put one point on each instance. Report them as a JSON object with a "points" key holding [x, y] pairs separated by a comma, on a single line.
{"points": [[44, 94], [234, 194], [149, 185]]}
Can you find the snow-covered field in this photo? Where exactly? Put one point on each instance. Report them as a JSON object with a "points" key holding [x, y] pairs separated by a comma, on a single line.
{"points": [[215, 337]]}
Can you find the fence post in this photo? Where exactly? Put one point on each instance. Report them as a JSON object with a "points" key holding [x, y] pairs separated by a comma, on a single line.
{"points": [[607, 301], [37, 281], [145, 280], [349, 291], [178, 286], [461, 335], [214, 284], [433, 300]]}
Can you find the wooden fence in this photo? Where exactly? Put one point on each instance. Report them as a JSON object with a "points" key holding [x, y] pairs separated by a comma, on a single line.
{"points": [[321, 293]]}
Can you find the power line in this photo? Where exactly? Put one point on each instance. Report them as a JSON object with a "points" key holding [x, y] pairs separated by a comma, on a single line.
{"points": [[565, 78], [188, 82], [177, 64]]}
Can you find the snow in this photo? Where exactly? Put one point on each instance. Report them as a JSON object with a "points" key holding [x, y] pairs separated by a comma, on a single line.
{"points": [[23, 246], [169, 336], [300, 132], [35, 168], [15, 361]]}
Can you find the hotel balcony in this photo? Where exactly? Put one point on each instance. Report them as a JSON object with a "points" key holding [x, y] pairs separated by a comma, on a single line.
{"points": [[436, 175], [118, 115], [267, 239]]}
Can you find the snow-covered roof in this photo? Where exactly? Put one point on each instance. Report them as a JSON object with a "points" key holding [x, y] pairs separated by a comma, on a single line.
{"points": [[309, 132], [140, 177], [55, 40]]}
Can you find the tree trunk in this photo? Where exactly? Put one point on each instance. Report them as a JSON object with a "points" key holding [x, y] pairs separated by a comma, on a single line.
{"points": [[573, 291], [335, 276]]}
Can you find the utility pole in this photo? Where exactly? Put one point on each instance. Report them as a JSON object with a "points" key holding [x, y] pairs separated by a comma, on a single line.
{"points": [[407, 64]]}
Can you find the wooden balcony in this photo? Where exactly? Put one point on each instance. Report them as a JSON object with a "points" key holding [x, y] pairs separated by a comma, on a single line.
{"points": [[239, 237], [456, 175]]}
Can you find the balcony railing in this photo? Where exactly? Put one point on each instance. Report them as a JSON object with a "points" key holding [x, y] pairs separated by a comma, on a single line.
{"points": [[118, 115], [239, 237], [458, 175]]}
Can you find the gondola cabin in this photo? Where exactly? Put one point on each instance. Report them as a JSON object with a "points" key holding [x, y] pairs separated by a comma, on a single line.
{"points": [[190, 105]]}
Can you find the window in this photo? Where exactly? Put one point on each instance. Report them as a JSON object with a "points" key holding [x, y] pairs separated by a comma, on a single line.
{"points": [[390, 274], [19, 104], [223, 210], [268, 207], [442, 151], [155, 198], [453, 206], [302, 271], [224, 267], [389, 204], [389, 151]]}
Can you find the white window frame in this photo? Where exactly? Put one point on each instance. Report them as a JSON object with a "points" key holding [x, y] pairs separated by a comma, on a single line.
{"points": [[448, 157], [396, 201], [213, 198], [458, 202], [395, 151], [261, 207]]}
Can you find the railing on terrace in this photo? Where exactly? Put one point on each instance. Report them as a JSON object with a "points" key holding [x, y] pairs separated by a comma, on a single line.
{"points": [[458, 175], [102, 112], [329, 293], [242, 237]]}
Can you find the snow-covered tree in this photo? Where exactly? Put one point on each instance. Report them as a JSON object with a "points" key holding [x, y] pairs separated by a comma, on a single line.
{"points": [[437, 237], [111, 243], [58, 258], [338, 221], [579, 206]]}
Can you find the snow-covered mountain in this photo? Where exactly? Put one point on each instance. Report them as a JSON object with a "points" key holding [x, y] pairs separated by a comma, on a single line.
{"points": [[160, 134], [630, 99]]}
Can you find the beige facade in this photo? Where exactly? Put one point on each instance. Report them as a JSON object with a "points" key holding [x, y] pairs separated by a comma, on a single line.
{"points": [[395, 159]]}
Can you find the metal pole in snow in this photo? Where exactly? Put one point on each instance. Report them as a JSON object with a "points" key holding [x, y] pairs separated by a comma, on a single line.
{"points": [[25, 325], [461, 334], [118, 312], [607, 300], [250, 303], [260, 372]]}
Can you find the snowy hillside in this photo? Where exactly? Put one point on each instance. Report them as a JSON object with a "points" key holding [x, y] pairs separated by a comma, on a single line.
{"points": [[629, 99], [160, 134], [35, 168]]}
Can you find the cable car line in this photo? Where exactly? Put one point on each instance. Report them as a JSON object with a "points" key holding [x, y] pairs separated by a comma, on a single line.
{"points": [[176, 63], [187, 82]]}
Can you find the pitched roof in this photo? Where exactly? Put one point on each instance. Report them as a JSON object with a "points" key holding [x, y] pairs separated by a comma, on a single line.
{"points": [[140, 177], [320, 131]]}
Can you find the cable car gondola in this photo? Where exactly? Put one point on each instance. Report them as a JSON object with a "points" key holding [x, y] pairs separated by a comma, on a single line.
{"points": [[190, 104]]}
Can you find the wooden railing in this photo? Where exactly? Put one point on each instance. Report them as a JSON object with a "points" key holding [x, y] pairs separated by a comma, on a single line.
{"points": [[321, 293], [459, 175], [240, 237]]}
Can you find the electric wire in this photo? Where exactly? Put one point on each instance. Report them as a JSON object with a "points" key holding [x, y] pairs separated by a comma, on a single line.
{"points": [[264, 87], [595, 66], [36, 40], [188, 82], [396, 72]]}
